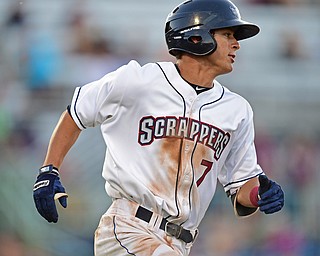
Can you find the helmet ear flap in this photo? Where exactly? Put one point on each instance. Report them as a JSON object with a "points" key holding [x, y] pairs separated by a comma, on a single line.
{"points": [[198, 42], [203, 42], [214, 45], [214, 42]]}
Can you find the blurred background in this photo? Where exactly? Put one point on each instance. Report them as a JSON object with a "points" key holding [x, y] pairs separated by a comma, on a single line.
{"points": [[47, 48]]}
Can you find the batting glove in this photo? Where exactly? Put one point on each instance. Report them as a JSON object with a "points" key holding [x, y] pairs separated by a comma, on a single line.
{"points": [[46, 189], [271, 196]]}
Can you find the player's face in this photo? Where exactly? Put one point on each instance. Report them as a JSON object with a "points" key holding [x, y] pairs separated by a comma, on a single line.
{"points": [[225, 54]]}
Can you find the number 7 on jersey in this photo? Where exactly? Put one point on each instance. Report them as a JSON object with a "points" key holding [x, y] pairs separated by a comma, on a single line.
{"points": [[208, 166]]}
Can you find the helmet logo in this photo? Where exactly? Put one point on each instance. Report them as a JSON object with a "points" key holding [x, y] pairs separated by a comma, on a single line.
{"points": [[189, 29], [235, 11]]}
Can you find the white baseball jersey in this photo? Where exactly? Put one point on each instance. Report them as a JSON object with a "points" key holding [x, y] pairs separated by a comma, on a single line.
{"points": [[166, 146]]}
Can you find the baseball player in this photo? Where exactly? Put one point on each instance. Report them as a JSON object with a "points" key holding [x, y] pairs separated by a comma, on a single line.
{"points": [[172, 131]]}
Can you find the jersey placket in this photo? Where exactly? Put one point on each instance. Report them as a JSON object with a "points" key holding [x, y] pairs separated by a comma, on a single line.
{"points": [[187, 176]]}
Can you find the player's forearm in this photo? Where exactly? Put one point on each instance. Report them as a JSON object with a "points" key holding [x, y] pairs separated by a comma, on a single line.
{"points": [[243, 196], [63, 137]]}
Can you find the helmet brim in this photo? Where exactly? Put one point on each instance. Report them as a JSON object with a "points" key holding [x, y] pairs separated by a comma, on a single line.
{"points": [[243, 30], [246, 31]]}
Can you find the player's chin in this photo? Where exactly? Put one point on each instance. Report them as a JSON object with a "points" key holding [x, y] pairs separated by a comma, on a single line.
{"points": [[227, 70], [230, 66]]}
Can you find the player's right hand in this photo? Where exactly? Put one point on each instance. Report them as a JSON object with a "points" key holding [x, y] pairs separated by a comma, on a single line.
{"points": [[45, 188]]}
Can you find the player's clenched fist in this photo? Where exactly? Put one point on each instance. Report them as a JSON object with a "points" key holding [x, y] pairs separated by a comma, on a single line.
{"points": [[271, 196], [46, 189]]}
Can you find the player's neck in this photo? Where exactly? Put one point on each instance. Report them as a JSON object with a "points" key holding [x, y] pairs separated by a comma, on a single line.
{"points": [[198, 88], [195, 73]]}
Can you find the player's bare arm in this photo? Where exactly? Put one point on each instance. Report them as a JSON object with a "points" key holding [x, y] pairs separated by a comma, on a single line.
{"points": [[48, 187], [64, 136], [244, 192]]}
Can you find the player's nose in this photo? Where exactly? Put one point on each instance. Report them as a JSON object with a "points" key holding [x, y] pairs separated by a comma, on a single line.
{"points": [[235, 45]]}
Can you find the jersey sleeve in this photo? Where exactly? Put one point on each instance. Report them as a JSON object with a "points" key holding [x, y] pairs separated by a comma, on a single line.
{"points": [[241, 163], [94, 102]]}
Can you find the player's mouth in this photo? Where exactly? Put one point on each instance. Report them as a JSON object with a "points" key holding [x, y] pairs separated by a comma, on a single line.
{"points": [[232, 57]]}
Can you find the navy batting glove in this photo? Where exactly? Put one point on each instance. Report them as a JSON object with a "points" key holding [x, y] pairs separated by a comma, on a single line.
{"points": [[271, 196], [45, 188]]}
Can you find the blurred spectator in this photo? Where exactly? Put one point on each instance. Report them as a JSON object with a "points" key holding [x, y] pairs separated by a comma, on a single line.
{"points": [[80, 33], [43, 61], [13, 31], [292, 46], [266, 147], [302, 168], [285, 241], [21, 136], [11, 245], [5, 123], [16, 15], [91, 53]]}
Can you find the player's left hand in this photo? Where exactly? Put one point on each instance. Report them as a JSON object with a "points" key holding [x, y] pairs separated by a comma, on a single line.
{"points": [[46, 189], [271, 195]]}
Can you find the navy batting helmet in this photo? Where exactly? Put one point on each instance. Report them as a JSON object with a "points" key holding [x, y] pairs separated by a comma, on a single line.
{"points": [[198, 18]]}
